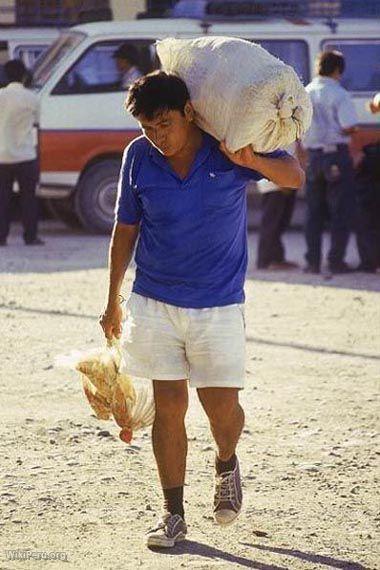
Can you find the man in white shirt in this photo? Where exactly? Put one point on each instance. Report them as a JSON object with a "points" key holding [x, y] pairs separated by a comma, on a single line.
{"points": [[330, 172], [127, 61], [18, 154]]}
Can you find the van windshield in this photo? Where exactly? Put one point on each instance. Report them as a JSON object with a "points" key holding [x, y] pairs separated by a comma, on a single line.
{"points": [[47, 63]]}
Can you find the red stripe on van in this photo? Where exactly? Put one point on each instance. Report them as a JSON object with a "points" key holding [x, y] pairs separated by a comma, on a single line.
{"points": [[71, 150]]}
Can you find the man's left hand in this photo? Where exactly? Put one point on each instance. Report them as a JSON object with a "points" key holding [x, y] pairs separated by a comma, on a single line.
{"points": [[242, 157], [285, 171]]}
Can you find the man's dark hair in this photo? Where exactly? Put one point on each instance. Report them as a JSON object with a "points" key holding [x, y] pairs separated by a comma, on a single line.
{"points": [[330, 61], [156, 92], [15, 70], [127, 51]]}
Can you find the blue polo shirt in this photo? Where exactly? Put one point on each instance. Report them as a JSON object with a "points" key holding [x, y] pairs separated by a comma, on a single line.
{"points": [[192, 247]]}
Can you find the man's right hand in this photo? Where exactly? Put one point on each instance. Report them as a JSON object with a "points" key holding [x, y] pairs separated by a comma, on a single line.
{"points": [[110, 320]]}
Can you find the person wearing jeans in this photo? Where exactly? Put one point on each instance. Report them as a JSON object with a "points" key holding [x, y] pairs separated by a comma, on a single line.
{"points": [[18, 154], [277, 205], [330, 173], [329, 187]]}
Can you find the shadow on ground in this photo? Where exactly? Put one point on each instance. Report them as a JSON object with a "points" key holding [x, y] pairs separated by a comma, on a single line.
{"points": [[309, 557], [200, 549]]}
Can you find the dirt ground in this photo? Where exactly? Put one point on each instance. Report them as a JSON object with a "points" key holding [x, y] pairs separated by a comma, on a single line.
{"points": [[308, 452]]}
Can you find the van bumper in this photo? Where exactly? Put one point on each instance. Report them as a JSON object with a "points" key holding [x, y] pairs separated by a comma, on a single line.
{"points": [[54, 191]]}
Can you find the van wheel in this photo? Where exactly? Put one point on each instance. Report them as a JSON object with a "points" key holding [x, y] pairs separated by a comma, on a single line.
{"points": [[64, 210], [96, 196]]}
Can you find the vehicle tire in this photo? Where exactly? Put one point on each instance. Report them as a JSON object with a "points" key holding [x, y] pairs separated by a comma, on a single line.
{"points": [[95, 197], [64, 210]]}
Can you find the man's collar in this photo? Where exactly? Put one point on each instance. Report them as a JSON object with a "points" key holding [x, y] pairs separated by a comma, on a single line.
{"points": [[203, 152], [326, 79]]}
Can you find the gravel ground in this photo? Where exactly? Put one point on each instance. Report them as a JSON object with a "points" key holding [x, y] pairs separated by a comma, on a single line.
{"points": [[308, 451]]}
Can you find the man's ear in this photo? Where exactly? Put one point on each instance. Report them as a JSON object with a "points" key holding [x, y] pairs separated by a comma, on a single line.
{"points": [[189, 112]]}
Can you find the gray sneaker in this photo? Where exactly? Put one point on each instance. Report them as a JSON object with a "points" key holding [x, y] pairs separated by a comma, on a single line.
{"points": [[169, 530], [228, 496]]}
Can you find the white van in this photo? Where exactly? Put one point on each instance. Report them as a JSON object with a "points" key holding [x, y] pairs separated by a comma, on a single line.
{"points": [[26, 44], [84, 128]]}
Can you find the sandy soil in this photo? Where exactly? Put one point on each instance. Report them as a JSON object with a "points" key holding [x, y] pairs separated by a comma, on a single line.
{"points": [[308, 451]]}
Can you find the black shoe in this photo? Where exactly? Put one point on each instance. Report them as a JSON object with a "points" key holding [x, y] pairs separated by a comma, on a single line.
{"points": [[366, 268], [340, 268], [36, 241], [314, 269]]}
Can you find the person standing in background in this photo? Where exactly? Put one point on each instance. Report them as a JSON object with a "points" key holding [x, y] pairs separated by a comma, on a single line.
{"points": [[18, 153], [277, 209], [330, 171], [368, 202], [127, 60]]}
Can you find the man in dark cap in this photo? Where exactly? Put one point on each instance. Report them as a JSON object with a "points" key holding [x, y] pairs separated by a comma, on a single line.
{"points": [[127, 59]]}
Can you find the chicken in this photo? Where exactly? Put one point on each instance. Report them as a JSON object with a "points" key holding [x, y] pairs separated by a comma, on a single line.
{"points": [[110, 391]]}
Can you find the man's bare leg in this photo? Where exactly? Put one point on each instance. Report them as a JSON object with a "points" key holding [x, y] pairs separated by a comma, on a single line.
{"points": [[170, 440], [226, 418]]}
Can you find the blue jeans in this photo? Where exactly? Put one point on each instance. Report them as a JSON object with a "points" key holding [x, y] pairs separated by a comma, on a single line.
{"points": [[330, 194], [26, 173]]}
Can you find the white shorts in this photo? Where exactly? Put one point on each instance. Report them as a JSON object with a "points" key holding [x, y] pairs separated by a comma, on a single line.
{"points": [[165, 342]]}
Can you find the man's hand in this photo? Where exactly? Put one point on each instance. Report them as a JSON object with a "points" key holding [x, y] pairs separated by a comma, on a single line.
{"points": [[242, 157], [285, 171], [110, 320], [120, 254]]}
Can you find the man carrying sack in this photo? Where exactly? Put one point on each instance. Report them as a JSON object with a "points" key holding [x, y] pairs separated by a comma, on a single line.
{"points": [[182, 198]]}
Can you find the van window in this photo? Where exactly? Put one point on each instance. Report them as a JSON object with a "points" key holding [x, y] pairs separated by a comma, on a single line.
{"points": [[52, 57], [292, 52], [97, 71], [30, 53], [362, 71]]}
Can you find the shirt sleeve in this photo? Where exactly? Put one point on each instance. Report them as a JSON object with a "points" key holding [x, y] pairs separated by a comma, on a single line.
{"points": [[250, 174], [347, 116], [128, 209]]}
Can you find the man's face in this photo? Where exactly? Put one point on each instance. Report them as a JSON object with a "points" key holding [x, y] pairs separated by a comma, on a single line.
{"points": [[122, 64], [168, 131]]}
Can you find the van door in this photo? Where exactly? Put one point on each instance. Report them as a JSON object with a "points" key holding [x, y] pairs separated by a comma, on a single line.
{"points": [[84, 126]]}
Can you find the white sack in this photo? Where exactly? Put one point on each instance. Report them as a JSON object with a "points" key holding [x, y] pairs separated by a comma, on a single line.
{"points": [[241, 93]]}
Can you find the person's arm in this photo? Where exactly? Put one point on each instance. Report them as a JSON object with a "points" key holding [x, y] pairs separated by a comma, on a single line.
{"points": [[374, 105], [128, 215], [347, 116], [121, 248], [350, 130], [285, 171]]}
